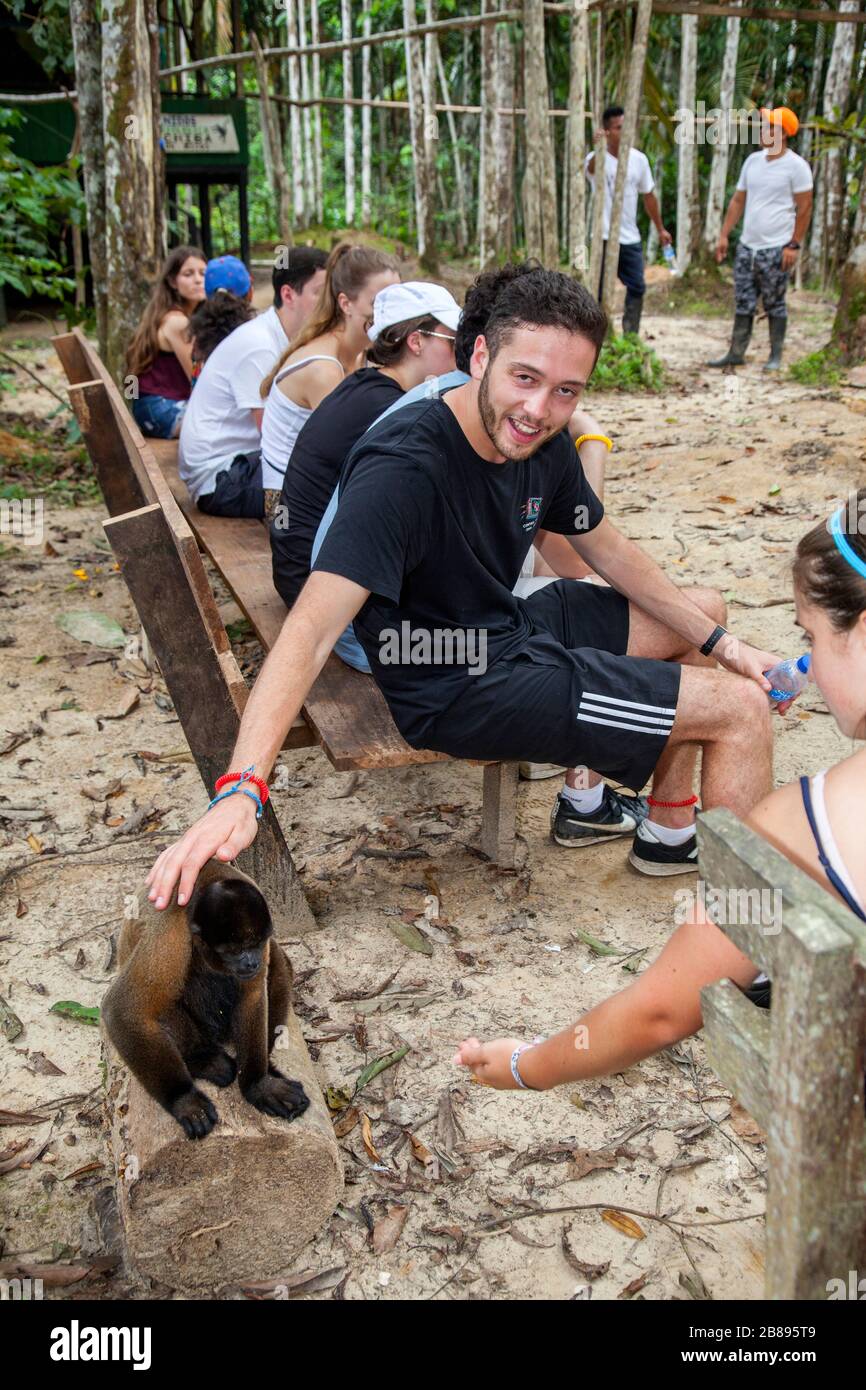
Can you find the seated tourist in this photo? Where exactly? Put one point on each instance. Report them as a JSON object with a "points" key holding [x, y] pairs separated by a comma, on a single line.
{"points": [[816, 822], [412, 339], [329, 346], [438, 508], [160, 356], [214, 320], [220, 439]]}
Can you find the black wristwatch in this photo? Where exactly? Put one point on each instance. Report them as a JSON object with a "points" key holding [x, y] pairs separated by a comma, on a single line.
{"points": [[715, 636], [792, 246]]}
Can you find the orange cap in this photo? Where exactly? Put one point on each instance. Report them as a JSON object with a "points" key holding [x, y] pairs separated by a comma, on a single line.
{"points": [[783, 116]]}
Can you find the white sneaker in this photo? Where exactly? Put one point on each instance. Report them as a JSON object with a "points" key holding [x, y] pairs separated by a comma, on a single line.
{"points": [[535, 772]]}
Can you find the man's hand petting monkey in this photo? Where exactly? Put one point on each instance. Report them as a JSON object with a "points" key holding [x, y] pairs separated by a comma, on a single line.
{"points": [[194, 979]]}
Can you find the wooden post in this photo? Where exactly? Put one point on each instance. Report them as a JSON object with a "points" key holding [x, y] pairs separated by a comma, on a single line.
{"points": [[637, 61], [499, 812], [596, 240], [124, 486], [274, 158], [576, 142], [542, 220], [202, 687]]}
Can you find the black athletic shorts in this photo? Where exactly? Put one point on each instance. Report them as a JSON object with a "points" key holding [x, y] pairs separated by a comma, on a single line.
{"points": [[571, 696]]}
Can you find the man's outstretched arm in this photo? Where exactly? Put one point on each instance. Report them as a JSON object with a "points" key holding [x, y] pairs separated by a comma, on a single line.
{"points": [[324, 607]]}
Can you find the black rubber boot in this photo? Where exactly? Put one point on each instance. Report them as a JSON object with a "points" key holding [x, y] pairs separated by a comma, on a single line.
{"points": [[632, 312], [736, 353], [777, 340]]}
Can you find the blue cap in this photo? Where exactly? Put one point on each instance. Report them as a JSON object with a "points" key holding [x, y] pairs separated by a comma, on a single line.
{"points": [[227, 273], [804, 662]]}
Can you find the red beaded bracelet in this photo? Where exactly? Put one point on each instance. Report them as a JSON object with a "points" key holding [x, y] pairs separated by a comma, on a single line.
{"points": [[246, 776], [691, 802]]}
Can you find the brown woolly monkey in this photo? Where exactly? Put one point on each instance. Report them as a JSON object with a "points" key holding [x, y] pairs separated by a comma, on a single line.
{"points": [[192, 979]]}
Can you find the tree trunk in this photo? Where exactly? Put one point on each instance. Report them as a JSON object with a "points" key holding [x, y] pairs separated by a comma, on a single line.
{"points": [[488, 198], [462, 230], [577, 140], [298, 206], [87, 45], [366, 122], [637, 61], [133, 169], [686, 163], [309, 166], [849, 328], [542, 222], [431, 119], [503, 140], [274, 161], [348, 117], [837, 89], [719, 170], [423, 189], [317, 113], [596, 245]]}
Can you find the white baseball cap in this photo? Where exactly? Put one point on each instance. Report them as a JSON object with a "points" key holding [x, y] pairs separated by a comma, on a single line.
{"points": [[397, 303]]}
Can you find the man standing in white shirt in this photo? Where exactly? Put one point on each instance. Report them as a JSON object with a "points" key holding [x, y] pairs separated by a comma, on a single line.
{"points": [[219, 454], [639, 179], [775, 188]]}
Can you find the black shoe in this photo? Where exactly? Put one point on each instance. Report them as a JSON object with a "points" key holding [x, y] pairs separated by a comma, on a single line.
{"points": [[618, 814], [736, 353], [650, 856], [760, 993]]}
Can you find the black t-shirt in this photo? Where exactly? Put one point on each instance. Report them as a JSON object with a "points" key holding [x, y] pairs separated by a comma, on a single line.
{"points": [[438, 535], [314, 468]]}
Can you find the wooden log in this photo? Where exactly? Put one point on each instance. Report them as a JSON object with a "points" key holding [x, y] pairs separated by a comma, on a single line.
{"points": [[203, 685], [198, 1215], [499, 812], [737, 1035], [121, 478]]}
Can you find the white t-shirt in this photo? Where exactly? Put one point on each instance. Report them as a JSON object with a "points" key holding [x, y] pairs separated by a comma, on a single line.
{"points": [[769, 186], [639, 179], [217, 423]]}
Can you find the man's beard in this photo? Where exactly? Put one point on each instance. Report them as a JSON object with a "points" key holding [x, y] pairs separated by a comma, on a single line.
{"points": [[488, 420]]}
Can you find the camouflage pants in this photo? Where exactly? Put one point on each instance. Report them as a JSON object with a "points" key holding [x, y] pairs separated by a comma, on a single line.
{"points": [[760, 273]]}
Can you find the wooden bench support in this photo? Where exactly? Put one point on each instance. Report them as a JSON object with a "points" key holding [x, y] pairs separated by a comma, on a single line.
{"points": [[800, 1069], [208, 704], [499, 813], [121, 477]]}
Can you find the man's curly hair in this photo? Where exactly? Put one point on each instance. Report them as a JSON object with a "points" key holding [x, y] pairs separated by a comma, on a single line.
{"points": [[545, 299], [214, 319]]}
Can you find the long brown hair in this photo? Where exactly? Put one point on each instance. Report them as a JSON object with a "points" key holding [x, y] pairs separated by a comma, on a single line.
{"points": [[347, 269], [822, 574], [163, 298]]}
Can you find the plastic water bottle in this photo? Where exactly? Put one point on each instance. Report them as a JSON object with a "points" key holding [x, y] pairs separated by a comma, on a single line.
{"points": [[670, 258], [789, 678]]}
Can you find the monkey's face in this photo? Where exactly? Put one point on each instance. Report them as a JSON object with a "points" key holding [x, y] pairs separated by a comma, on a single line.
{"points": [[231, 924]]}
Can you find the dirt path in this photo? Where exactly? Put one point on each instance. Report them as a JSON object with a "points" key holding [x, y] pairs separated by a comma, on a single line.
{"points": [[717, 477]]}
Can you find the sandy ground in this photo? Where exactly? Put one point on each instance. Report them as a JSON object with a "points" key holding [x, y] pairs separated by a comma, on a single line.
{"points": [[717, 477]]}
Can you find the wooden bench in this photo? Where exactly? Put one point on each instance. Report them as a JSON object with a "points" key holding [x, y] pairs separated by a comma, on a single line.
{"points": [[797, 1068], [156, 532]]}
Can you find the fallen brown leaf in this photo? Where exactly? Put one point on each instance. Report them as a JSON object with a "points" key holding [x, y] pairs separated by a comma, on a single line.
{"points": [[346, 1122], [367, 1136], [581, 1267], [624, 1224], [387, 1232], [744, 1126]]}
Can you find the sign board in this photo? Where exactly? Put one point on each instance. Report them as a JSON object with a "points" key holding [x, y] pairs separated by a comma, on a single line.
{"points": [[196, 132]]}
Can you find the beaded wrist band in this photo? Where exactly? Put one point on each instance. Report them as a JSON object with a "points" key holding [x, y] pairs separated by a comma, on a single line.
{"points": [[692, 801], [515, 1071], [245, 791]]}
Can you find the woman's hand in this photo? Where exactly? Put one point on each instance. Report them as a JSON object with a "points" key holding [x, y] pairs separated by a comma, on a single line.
{"points": [[222, 833], [489, 1062]]}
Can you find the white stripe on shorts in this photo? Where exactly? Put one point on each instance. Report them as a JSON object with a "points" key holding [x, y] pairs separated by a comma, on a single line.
{"points": [[661, 732], [589, 707], [628, 704]]}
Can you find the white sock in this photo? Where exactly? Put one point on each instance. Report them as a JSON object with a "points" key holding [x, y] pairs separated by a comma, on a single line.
{"points": [[585, 800], [668, 836]]}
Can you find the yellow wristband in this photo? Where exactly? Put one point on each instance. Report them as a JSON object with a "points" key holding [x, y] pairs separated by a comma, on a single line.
{"points": [[602, 437]]}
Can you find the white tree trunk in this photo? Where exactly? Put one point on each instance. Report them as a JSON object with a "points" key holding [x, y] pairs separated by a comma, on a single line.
{"points": [[295, 119], [686, 209], [652, 245], [575, 178], [431, 120], [423, 191], [462, 237], [719, 170], [317, 113], [274, 162], [87, 45], [596, 245], [488, 197], [542, 222], [634, 89], [366, 123], [837, 89], [503, 140], [307, 123], [348, 117]]}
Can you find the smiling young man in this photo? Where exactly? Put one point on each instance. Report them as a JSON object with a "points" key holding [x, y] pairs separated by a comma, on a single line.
{"points": [[438, 507]]}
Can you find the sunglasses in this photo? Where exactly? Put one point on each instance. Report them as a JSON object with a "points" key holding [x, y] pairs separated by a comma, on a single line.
{"points": [[428, 333]]}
